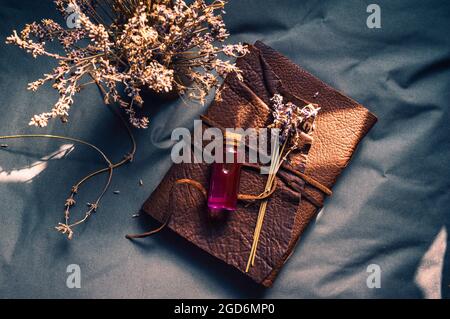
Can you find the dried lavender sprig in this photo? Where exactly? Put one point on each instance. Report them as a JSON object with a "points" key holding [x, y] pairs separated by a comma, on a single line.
{"points": [[292, 121]]}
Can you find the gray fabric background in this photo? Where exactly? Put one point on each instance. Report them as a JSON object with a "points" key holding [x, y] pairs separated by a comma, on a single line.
{"points": [[388, 207]]}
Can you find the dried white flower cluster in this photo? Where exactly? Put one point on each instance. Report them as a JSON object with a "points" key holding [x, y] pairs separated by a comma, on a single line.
{"points": [[156, 45]]}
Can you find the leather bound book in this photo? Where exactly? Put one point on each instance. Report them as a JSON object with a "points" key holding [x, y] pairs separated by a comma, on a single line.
{"points": [[302, 183]]}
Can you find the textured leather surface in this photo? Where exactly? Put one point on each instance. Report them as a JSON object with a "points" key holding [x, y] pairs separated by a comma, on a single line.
{"points": [[341, 124]]}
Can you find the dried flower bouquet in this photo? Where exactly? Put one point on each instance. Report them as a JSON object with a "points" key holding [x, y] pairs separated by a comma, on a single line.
{"points": [[127, 46]]}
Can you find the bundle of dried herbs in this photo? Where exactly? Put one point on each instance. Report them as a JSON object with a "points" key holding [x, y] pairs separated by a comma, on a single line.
{"points": [[290, 121], [127, 46]]}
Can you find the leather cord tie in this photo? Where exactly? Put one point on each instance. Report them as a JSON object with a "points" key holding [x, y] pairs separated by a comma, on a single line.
{"points": [[202, 189], [190, 182], [242, 197], [306, 178]]}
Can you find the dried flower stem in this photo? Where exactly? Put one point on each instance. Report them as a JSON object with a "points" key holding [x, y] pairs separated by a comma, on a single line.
{"points": [[275, 165], [67, 227], [292, 121]]}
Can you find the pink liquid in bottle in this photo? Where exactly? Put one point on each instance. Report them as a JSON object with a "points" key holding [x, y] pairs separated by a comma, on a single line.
{"points": [[224, 181]]}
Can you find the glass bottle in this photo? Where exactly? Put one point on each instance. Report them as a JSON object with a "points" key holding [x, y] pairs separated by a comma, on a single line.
{"points": [[224, 180]]}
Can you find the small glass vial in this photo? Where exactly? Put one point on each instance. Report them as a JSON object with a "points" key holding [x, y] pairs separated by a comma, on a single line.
{"points": [[224, 180]]}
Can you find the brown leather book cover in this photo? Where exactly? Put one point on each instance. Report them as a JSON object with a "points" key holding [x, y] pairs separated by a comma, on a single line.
{"points": [[340, 126]]}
